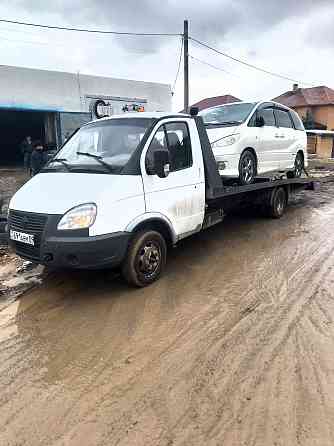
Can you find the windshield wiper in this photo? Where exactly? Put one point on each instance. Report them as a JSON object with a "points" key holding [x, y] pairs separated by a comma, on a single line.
{"points": [[61, 161], [97, 158], [231, 122], [223, 123]]}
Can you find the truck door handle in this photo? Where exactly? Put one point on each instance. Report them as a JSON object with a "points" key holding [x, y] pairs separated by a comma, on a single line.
{"points": [[277, 135]]}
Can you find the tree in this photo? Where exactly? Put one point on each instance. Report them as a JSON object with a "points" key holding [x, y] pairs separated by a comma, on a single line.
{"points": [[308, 120]]}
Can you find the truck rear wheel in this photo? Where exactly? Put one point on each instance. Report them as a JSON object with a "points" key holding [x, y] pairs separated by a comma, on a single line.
{"points": [[146, 258], [277, 203]]}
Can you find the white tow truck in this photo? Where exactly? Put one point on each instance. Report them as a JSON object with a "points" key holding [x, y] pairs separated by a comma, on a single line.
{"points": [[123, 189]]}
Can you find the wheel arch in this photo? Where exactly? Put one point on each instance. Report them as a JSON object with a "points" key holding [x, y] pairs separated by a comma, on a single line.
{"points": [[156, 222]]}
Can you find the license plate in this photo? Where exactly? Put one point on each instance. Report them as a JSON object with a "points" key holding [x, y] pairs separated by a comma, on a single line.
{"points": [[21, 237]]}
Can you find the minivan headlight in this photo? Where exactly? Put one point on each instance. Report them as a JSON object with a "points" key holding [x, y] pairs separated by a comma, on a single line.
{"points": [[80, 217], [226, 141]]}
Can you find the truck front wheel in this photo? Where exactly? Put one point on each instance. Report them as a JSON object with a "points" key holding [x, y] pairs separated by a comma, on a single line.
{"points": [[145, 259]]}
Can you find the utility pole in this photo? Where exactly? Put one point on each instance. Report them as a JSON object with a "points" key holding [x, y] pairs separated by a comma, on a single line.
{"points": [[186, 66]]}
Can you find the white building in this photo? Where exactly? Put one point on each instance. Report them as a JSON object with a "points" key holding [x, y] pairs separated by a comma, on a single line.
{"points": [[50, 105]]}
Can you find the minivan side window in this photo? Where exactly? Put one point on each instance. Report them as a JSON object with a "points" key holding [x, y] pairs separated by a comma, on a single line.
{"points": [[175, 138], [268, 116], [283, 119], [296, 120]]}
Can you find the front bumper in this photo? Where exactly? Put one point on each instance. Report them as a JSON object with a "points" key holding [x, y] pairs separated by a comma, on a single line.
{"points": [[80, 252], [66, 249], [85, 252]]}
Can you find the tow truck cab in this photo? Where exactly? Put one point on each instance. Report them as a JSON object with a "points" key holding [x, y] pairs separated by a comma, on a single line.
{"points": [[114, 178]]}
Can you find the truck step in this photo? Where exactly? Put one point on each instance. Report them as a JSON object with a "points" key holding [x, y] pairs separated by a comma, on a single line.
{"points": [[213, 217]]}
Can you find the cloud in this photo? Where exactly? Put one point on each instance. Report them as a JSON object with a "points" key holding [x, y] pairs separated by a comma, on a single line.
{"points": [[320, 32], [210, 20]]}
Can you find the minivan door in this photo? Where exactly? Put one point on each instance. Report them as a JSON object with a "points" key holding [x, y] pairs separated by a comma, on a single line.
{"points": [[287, 137], [269, 141], [181, 195]]}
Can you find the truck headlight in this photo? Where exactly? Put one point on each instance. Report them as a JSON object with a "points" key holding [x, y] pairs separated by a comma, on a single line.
{"points": [[80, 217], [226, 141]]}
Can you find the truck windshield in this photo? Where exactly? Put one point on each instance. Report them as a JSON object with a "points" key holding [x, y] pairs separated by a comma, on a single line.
{"points": [[230, 114], [102, 145]]}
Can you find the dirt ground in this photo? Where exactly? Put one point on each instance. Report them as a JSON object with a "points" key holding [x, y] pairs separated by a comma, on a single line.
{"points": [[233, 346]]}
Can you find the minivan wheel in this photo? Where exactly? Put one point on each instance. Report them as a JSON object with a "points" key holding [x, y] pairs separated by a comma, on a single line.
{"points": [[299, 167], [247, 167], [146, 258]]}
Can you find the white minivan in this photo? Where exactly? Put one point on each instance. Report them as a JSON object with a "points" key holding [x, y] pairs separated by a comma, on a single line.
{"points": [[250, 139]]}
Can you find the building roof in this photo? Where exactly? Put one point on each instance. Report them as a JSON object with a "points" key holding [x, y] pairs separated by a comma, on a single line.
{"points": [[304, 97], [216, 100]]}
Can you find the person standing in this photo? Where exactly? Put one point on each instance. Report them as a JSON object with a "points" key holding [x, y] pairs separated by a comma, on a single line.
{"points": [[26, 150], [38, 158]]}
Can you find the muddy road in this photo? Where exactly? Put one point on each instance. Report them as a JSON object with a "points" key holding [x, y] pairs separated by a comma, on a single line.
{"points": [[234, 346]]}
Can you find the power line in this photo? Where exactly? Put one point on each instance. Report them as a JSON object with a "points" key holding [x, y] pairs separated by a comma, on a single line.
{"points": [[212, 66], [84, 30], [178, 67], [249, 65]]}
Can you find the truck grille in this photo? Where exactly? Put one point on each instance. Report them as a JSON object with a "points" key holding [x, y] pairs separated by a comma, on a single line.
{"points": [[28, 223]]}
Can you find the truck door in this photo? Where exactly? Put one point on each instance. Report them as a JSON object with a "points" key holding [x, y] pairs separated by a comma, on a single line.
{"points": [[181, 195]]}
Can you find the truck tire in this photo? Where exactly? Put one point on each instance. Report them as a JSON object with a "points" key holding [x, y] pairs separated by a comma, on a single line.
{"points": [[145, 259], [3, 238], [3, 224], [277, 203]]}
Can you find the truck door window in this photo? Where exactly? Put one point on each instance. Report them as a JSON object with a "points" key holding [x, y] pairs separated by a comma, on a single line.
{"points": [[158, 143], [175, 138], [179, 146]]}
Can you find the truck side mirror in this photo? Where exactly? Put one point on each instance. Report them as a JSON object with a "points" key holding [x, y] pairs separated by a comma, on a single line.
{"points": [[161, 163], [194, 111], [259, 121]]}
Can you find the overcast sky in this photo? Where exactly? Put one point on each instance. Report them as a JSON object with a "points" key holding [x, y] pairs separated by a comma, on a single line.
{"points": [[294, 38]]}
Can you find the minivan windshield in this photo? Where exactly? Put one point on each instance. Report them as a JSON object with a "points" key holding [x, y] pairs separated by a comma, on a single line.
{"points": [[230, 114], [103, 145]]}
